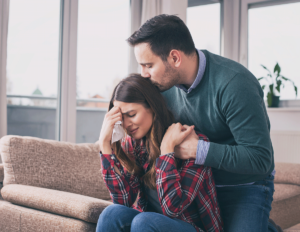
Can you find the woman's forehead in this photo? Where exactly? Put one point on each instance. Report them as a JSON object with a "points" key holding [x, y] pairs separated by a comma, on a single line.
{"points": [[126, 106]]}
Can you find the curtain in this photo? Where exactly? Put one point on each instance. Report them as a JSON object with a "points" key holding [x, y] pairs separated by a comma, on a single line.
{"points": [[4, 12]]}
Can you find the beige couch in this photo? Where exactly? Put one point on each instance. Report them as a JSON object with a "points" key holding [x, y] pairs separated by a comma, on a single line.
{"points": [[57, 186]]}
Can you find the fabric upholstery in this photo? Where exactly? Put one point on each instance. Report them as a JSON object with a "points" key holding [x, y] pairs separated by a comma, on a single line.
{"points": [[53, 201], [287, 173], [1, 173], [285, 207], [15, 218], [54, 165], [295, 228], [1, 186]]}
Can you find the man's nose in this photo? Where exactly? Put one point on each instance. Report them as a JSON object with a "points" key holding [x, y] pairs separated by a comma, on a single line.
{"points": [[145, 73]]}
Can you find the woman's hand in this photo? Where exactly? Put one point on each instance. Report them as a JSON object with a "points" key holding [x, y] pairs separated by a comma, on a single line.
{"points": [[175, 134], [113, 116]]}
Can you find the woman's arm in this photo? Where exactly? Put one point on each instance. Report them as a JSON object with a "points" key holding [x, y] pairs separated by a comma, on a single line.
{"points": [[177, 190], [123, 186]]}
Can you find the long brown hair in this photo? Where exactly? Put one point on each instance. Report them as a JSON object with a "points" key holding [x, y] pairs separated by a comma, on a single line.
{"points": [[136, 89]]}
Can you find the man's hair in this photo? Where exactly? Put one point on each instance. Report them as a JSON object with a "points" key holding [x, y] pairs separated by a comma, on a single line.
{"points": [[164, 33]]}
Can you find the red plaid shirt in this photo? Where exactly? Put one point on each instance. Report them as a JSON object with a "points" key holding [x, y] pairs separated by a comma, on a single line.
{"points": [[187, 193]]}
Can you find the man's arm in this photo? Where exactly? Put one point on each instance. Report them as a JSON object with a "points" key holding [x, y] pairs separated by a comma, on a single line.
{"points": [[241, 103]]}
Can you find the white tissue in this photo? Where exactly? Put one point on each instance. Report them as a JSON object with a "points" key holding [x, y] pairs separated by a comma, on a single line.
{"points": [[118, 132]]}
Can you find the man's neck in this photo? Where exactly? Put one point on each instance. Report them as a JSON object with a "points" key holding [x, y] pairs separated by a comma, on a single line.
{"points": [[190, 70]]}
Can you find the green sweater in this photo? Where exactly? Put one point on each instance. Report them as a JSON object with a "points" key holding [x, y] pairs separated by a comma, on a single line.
{"points": [[228, 107]]}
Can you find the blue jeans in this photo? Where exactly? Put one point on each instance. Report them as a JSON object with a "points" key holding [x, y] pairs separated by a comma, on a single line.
{"points": [[246, 208], [117, 218]]}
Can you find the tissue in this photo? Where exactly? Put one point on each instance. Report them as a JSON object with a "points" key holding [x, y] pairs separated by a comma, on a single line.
{"points": [[118, 132]]}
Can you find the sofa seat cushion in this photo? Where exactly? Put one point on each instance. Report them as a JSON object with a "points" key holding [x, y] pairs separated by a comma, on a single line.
{"points": [[285, 207], [53, 201], [1, 173], [16, 218], [50, 164], [295, 228]]}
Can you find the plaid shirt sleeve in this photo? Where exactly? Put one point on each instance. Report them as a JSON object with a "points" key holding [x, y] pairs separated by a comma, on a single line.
{"points": [[123, 188], [177, 189]]}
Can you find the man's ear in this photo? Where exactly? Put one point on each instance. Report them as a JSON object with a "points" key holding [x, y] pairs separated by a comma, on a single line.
{"points": [[175, 58]]}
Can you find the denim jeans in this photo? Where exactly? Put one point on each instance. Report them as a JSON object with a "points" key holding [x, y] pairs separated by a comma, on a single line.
{"points": [[118, 218], [246, 208]]}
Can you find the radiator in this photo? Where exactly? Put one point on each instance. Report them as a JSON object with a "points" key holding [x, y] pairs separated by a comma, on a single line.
{"points": [[286, 145]]}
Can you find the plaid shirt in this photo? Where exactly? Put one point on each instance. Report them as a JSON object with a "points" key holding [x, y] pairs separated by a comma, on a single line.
{"points": [[187, 193]]}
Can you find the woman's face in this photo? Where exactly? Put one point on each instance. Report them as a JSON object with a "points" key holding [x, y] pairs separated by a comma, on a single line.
{"points": [[137, 119]]}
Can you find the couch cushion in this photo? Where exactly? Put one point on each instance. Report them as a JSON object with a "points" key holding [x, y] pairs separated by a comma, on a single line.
{"points": [[286, 205], [51, 164], [1, 173], [54, 201], [287, 173], [15, 218], [295, 228], [1, 186]]}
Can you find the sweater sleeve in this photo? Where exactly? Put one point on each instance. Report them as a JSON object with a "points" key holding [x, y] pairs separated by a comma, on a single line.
{"points": [[242, 107]]}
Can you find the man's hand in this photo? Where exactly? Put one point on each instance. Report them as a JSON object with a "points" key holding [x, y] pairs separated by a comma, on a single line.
{"points": [[174, 135], [188, 148]]}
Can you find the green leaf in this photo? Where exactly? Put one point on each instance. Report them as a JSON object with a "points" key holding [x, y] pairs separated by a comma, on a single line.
{"points": [[284, 78], [278, 85], [271, 89], [269, 99], [277, 69], [260, 78], [296, 90], [263, 87]]}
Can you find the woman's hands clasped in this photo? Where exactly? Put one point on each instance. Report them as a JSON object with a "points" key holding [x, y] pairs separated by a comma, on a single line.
{"points": [[175, 134], [111, 117]]}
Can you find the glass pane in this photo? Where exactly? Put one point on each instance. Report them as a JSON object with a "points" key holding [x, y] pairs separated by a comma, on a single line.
{"points": [[102, 60], [274, 35], [204, 25], [32, 67]]}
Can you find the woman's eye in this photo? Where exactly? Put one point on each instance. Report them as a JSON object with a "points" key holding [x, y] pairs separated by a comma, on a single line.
{"points": [[131, 115]]}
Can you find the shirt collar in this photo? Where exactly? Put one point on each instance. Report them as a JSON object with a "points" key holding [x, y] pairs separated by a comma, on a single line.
{"points": [[202, 65]]}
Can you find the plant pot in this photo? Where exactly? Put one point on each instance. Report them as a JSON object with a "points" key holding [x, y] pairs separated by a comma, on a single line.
{"points": [[273, 101]]}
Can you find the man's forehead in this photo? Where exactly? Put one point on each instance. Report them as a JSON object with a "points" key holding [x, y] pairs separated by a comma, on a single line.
{"points": [[143, 53]]}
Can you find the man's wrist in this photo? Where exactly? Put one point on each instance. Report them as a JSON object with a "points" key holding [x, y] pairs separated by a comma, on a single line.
{"points": [[202, 151]]}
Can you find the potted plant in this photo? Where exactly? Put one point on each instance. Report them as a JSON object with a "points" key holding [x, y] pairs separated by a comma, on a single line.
{"points": [[274, 82]]}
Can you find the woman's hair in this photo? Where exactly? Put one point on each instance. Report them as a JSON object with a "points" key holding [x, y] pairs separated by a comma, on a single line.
{"points": [[136, 89]]}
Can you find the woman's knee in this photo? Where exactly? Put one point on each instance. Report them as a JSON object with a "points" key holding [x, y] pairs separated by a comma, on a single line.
{"points": [[144, 222]]}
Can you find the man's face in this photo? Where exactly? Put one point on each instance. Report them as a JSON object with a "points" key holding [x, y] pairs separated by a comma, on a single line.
{"points": [[161, 73]]}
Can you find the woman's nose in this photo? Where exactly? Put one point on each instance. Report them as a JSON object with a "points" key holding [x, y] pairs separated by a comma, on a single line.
{"points": [[126, 122]]}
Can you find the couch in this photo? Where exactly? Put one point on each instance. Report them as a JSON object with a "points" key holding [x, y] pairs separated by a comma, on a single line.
{"points": [[57, 186]]}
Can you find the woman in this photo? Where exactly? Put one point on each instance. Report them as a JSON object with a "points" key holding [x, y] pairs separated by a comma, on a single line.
{"points": [[172, 194]]}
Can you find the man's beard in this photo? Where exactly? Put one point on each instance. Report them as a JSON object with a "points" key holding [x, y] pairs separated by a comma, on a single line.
{"points": [[171, 78]]}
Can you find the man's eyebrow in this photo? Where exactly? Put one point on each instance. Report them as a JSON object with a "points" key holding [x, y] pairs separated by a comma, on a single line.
{"points": [[128, 112], [146, 63]]}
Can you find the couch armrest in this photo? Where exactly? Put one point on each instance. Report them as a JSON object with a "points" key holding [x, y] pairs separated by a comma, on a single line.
{"points": [[1, 173], [287, 173], [54, 201]]}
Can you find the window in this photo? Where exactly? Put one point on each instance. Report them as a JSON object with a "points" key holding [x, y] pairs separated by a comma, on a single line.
{"points": [[102, 61], [203, 22], [273, 36], [32, 67]]}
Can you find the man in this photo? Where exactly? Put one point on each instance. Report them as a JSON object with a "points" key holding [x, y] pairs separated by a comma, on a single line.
{"points": [[225, 102]]}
